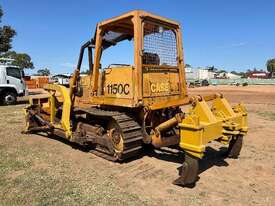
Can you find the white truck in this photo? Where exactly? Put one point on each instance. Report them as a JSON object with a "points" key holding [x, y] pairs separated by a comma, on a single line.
{"points": [[12, 83]]}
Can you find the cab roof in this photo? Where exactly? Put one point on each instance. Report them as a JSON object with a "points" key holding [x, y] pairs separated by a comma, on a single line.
{"points": [[121, 27], [141, 14]]}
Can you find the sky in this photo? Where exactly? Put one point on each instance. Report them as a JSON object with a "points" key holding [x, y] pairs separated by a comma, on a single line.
{"points": [[232, 35]]}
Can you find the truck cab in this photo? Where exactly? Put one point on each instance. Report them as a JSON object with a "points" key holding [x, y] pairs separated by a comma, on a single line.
{"points": [[12, 84]]}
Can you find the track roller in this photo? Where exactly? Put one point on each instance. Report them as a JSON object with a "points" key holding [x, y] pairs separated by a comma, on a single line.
{"points": [[123, 132]]}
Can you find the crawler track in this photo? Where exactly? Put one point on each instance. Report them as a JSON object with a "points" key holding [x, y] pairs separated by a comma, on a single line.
{"points": [[130, 130]]}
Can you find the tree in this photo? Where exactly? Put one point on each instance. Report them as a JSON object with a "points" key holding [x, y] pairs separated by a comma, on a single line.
{"points": [[20, 59], [234, 72], [6, 35], [270, 65], [85, 72], [222, 71], [242, 74], [187, 66], [212, 68], [43, 72]]}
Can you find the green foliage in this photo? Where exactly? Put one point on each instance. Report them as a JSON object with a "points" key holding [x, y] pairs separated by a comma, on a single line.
{"points": [[267, 115], [85, 72], [20, 59], [234, 72], [270, 65], [222, 71], [6, 35], [212, 69], [187, 66], [242, 74], [43, 72], [1, 13]]}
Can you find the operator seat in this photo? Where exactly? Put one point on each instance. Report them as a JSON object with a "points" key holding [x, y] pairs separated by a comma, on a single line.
{"points": [[150, 58]]}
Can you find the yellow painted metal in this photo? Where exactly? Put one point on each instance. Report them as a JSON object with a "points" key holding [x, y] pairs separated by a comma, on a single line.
{"points": [[146, 88], [84, 100], [52, 109], [27, 122], [202, 124], [160, 81], [64, 93], [38, 99], [172, 101], [140, 86], [118, 82], [98, 49]]}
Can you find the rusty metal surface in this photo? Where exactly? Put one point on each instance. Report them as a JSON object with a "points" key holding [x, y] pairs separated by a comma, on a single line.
{"points": [[130, 130], [159, 141]]}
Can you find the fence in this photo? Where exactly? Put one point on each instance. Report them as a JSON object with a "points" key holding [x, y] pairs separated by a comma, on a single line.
{"points": [[242, 81]]}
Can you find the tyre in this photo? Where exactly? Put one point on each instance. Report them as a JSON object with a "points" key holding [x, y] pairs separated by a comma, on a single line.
{"points": [[204, 83], [9, 98]]}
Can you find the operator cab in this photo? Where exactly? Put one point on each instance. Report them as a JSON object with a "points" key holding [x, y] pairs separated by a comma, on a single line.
{"points": [[153, 71], [155, 74]]}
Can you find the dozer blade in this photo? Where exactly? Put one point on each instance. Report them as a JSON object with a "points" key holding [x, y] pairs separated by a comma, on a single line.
{"points": [[188, 172]]}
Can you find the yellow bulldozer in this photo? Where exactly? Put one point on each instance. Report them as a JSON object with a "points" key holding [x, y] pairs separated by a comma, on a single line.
{"points": [[117, 110]]}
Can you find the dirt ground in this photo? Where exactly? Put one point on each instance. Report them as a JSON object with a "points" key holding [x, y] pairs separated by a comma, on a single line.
{"points": [[36, 170]]}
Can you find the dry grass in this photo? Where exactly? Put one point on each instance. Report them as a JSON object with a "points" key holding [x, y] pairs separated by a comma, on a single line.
{"points": [[267, 115], [31, 176]]}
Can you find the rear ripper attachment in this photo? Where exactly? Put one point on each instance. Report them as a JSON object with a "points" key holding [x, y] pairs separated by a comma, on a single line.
{"points": [[202, 125]]}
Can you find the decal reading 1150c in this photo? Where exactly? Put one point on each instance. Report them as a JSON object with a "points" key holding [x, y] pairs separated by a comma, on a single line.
{"points": [[118, 89]]}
